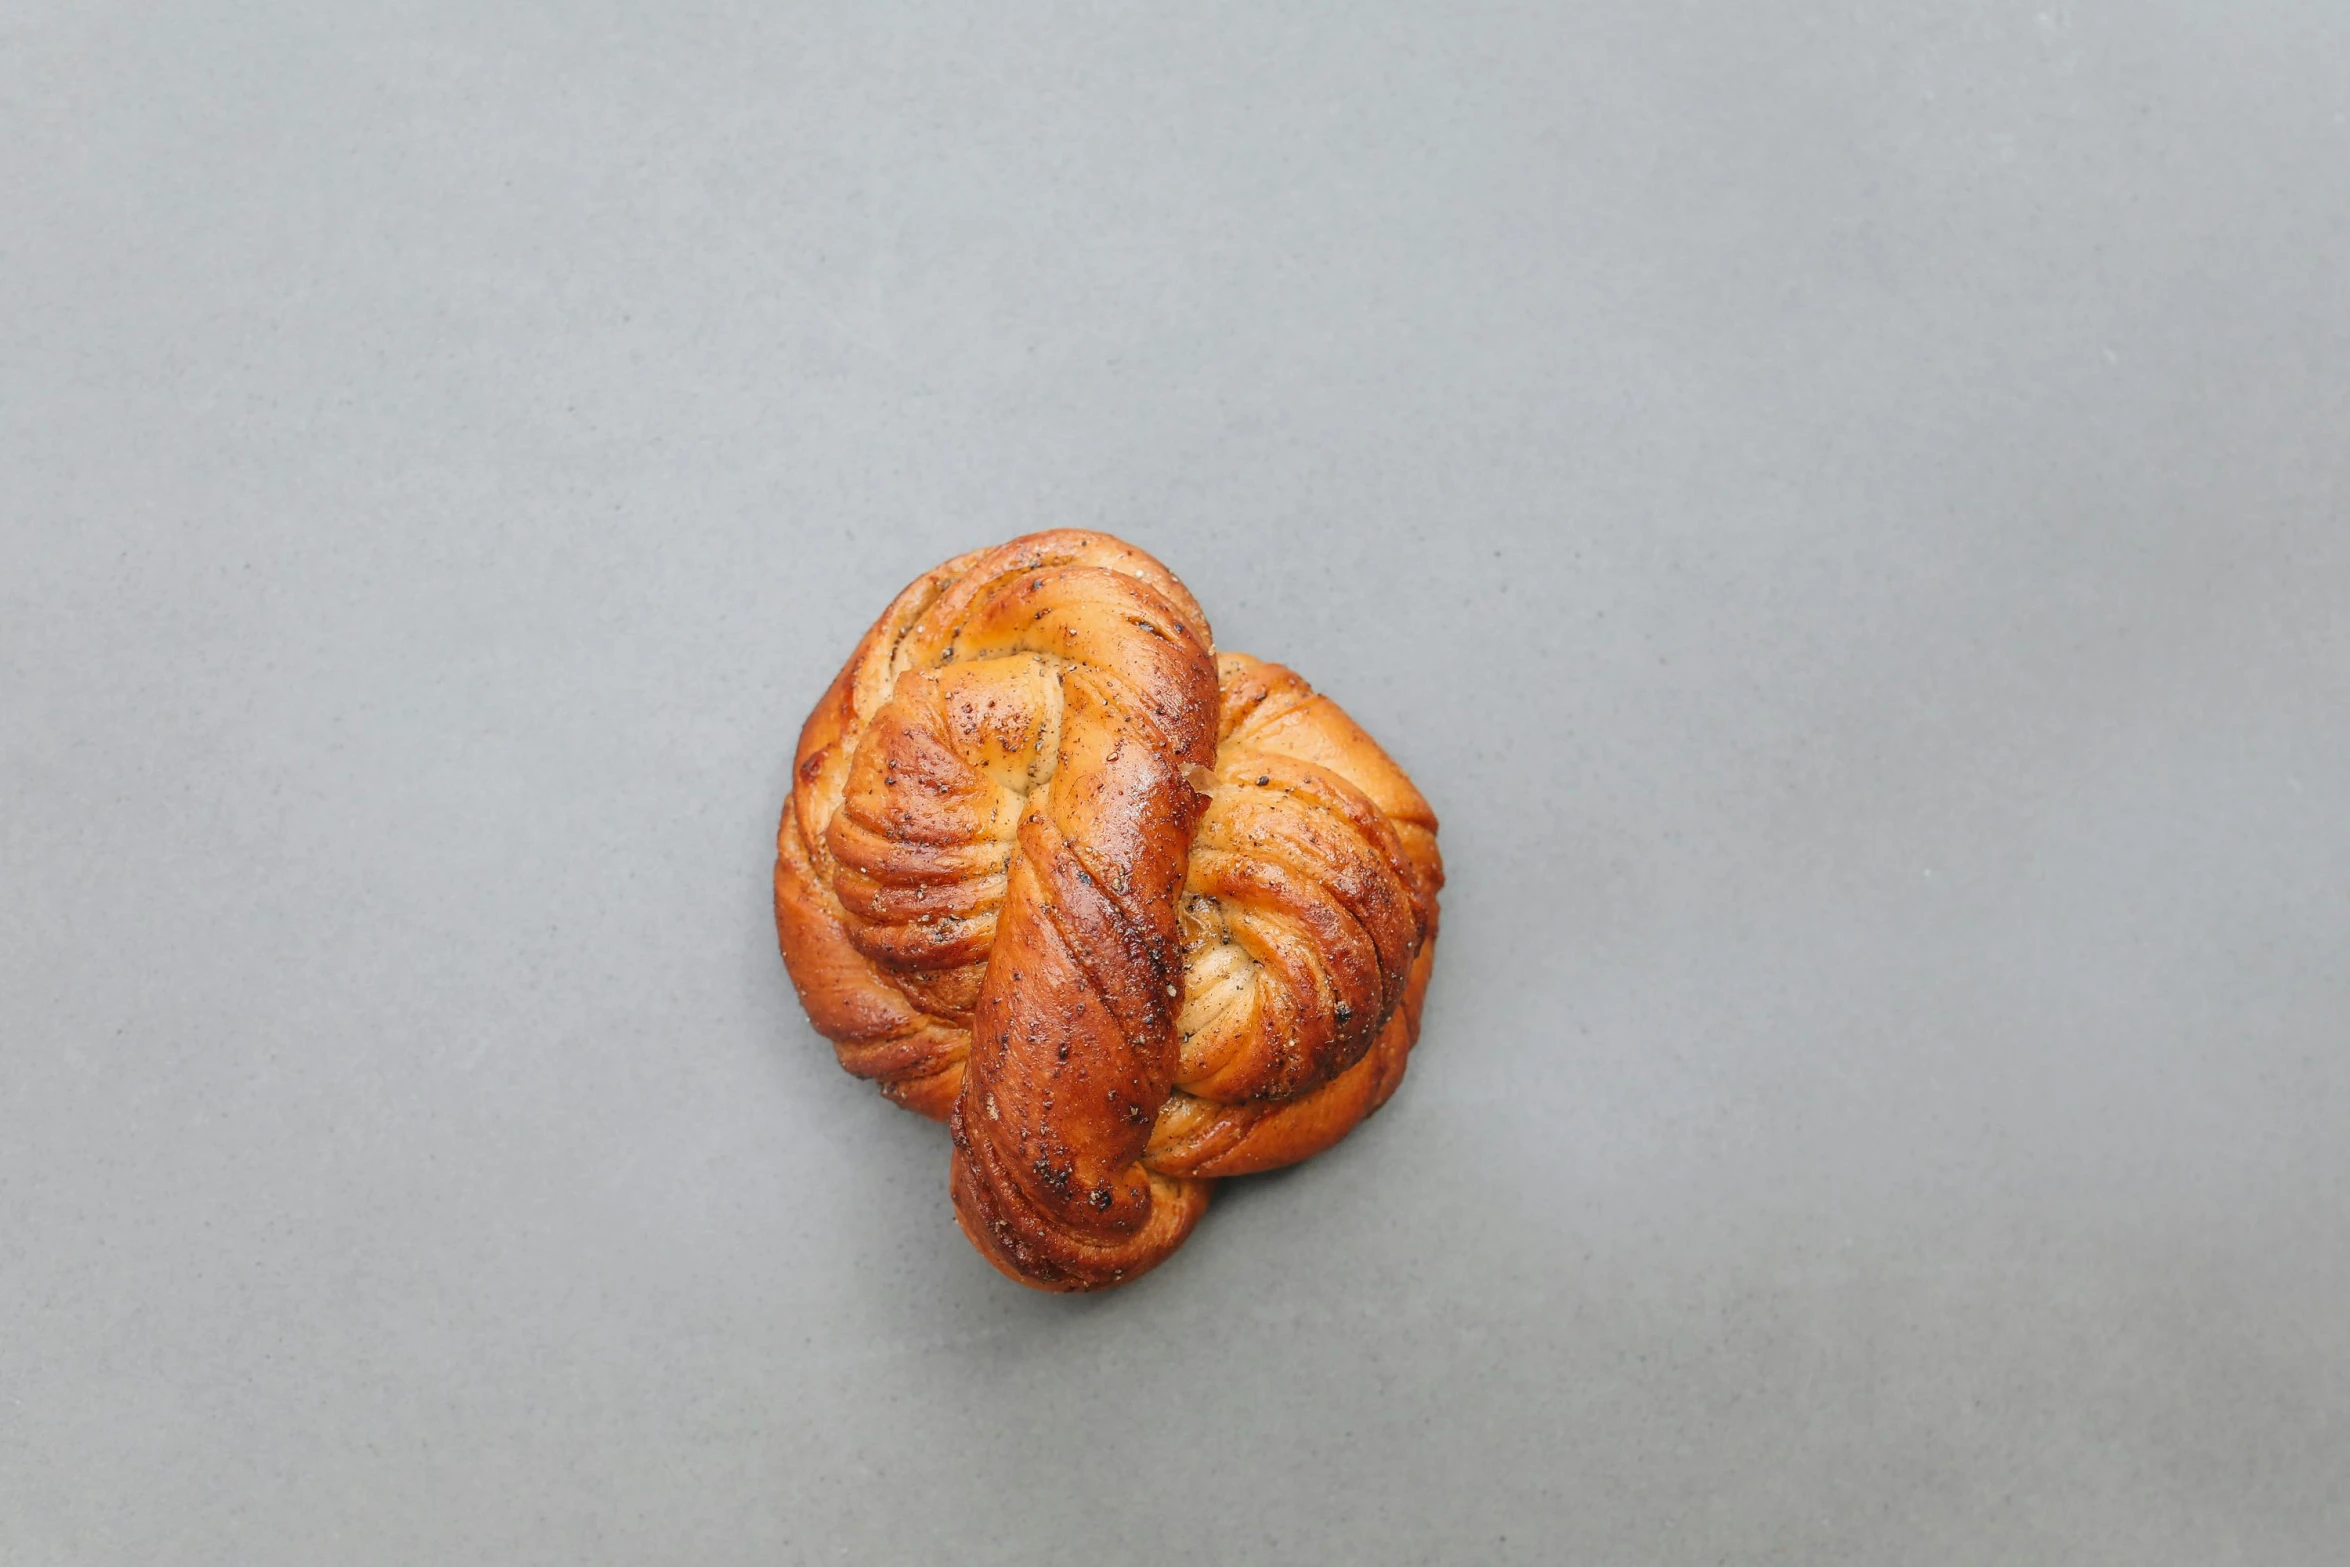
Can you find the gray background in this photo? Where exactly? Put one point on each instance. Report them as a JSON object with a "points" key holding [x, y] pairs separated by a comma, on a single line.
{"points": [[1842, 507]]}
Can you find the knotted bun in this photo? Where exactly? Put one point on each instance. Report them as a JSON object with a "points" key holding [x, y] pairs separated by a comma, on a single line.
{"points": [[1129, 915]]}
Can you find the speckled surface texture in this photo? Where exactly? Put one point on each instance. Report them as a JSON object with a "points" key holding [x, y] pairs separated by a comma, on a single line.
{"points": [[1842, 508]]}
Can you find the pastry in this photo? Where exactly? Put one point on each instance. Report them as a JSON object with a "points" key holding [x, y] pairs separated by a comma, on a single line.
{"points": [[1128, 914]]}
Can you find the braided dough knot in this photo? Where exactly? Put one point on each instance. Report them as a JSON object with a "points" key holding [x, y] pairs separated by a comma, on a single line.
{"points": [[1129, 915]]}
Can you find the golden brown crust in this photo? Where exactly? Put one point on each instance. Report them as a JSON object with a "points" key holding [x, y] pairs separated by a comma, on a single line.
{"points": [[1130, 916]]}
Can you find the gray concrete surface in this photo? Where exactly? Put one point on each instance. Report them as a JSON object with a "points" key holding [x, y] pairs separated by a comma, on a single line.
{"points": [[1843, 508]]}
